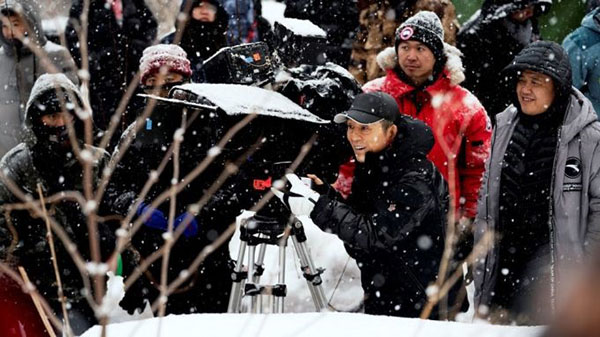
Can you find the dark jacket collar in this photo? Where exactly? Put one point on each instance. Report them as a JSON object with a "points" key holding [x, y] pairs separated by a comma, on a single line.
{"points": [[414, 138]]}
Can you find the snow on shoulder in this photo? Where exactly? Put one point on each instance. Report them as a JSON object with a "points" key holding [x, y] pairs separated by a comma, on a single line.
{"points": [[302, 27], [307, 324], [237, 99]]}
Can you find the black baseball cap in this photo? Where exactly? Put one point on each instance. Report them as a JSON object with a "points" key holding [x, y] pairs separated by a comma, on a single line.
{"points": [[369, 108]]}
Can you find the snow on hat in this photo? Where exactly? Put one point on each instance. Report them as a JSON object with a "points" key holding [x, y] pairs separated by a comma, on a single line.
{"points": [[425, 27], [171, 56]]}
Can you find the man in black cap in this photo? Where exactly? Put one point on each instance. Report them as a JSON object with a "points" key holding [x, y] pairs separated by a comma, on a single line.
{"points": [[393, 222]]}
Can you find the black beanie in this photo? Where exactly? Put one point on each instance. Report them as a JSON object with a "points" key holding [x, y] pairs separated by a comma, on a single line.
{"points": [[425, 27], [545, 57]]}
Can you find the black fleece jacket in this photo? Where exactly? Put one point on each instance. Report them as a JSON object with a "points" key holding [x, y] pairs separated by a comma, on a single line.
{"points": [[393, 223]]}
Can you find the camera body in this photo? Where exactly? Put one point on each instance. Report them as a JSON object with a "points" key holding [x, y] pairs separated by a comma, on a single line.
{"points": [[248, 64]]}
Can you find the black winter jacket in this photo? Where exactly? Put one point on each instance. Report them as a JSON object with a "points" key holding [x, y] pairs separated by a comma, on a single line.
{"points": [[201, 40], [114, 50], [23, 239], [393, 223]]}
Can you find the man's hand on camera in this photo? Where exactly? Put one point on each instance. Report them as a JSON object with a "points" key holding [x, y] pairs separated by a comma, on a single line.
{"points": [[300, 199]]}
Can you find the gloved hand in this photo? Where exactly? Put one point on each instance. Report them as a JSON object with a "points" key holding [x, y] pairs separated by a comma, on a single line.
{"points": [[191, 229], [300, 199], [156, 219]]}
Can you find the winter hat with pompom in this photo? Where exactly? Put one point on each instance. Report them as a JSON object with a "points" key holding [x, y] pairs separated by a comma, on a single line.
{"points": [[425, 27], [170, 56]]}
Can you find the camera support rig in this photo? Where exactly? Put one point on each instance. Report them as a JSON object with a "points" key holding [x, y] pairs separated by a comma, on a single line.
{"points": [[258, 231]]}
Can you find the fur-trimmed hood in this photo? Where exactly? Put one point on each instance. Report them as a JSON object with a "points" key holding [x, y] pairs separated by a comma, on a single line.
{"points": [[387, 59]]}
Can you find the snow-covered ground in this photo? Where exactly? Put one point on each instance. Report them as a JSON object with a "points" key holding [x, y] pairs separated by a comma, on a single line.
{"points": [[306, 324]]}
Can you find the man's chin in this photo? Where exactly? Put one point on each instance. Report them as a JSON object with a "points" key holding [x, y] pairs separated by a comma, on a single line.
{"points": [[360, 157]]}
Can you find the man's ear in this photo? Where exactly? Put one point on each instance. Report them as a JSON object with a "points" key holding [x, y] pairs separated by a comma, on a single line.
{"points": [[392, 131]]}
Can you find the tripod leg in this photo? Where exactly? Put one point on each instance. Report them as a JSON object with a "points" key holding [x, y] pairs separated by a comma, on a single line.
{"points": [[251, 265], [308, 269], [279, 300], [259, 263], [235, 297], [258, 271]]}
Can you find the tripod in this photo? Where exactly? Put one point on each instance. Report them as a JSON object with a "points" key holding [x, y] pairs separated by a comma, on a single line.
{"points": [[262, 231]]}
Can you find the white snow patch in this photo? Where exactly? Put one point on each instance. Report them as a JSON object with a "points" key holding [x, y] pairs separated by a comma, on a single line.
{"points": [[55, 25], [94, 268], [302, 27], [306, 324], [272, 10], [237, 99], [115, 291]]}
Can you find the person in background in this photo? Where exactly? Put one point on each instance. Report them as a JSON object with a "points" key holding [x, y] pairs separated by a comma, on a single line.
{"points": [[394, 221], [118, 31], [162, 67], [490, 40], [583, 48], [45, 160], [20, 66], [378, 21], [540, 193], [241, 21], [423, 74], [203, 34], [207, 290]]}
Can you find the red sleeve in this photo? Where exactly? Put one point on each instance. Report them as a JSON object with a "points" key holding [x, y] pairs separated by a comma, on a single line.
{"points": [[477, 138], [343, 184]]}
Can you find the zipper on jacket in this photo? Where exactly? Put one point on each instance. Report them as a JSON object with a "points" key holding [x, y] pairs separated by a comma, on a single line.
{"points": [[487, 218], [551, 228]]}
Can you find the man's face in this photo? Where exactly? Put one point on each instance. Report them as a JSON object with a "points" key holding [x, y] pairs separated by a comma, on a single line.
{"points": [[158, 80], [535, 92], [204, 12], [13, 27], [523, 14], [57, 119], [416, 60], [368, 137]]}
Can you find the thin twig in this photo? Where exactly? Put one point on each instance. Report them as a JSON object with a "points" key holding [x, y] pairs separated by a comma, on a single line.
{"points": [[232, 227], [35, 297], [60, 232], [61, 296], [443, 290]]}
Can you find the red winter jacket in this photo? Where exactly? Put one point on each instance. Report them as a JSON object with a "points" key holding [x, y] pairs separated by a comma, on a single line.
{"points": [[460, 125]]}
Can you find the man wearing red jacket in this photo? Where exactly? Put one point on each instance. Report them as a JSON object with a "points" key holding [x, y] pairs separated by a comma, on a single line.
{"points": [[423, 75]]}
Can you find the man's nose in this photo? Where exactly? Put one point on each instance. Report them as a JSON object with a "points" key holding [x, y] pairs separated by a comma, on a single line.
{"points": [[526, 88], [353, 136], [412, 54]]}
